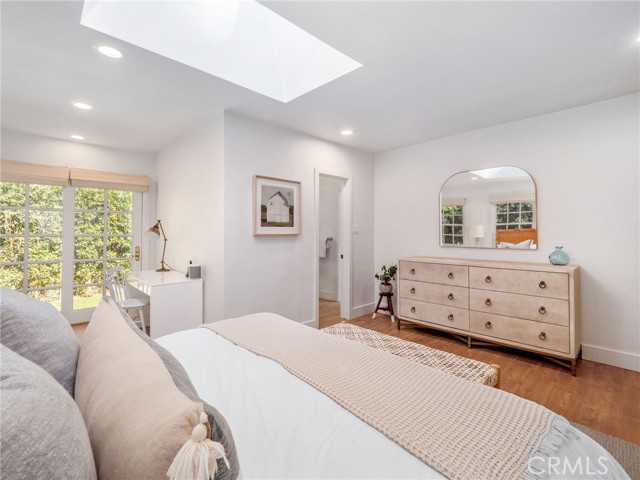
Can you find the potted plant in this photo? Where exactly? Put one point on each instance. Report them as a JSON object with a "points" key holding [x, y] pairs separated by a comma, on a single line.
{"points": [[386, 276]]}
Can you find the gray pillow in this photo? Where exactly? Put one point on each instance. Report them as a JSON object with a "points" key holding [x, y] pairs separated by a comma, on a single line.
{"points": [[43, 434], [220, 430], [38, 332]]}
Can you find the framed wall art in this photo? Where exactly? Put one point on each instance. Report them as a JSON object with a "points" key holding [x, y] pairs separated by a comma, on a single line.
{"points": [[276, 206]]}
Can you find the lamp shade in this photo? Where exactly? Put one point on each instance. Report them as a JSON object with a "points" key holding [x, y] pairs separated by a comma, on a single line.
{"points": [[153, 232], [476, 231]]}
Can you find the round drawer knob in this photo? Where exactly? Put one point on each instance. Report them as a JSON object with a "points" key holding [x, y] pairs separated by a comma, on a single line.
{"points": [[413, 309], [450, 317], [542, 310], [413, 290], [487, 302], [450, 296], [487, 279], [487, 325], [450, 275], [542, 336], [542, 284], [412, 271]]}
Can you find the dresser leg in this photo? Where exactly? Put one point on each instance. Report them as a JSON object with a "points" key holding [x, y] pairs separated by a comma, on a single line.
{"points": [[397, 324], [573, 367]]}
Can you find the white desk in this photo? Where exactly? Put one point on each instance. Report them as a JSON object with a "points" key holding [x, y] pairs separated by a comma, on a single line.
{"points": [[175, 301]]}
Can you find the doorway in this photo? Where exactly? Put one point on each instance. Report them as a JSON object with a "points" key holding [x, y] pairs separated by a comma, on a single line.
{"points": [[333, 272]]}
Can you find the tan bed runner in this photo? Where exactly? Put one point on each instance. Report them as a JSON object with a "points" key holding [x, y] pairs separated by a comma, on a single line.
{"points": [[462, 429], [466, 368]]}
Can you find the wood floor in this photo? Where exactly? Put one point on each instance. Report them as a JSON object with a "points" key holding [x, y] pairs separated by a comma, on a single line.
{"points": [[601, 397]]}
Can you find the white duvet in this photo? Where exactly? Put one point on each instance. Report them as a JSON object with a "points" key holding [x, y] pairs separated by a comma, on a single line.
{"points": [[285, 429]]}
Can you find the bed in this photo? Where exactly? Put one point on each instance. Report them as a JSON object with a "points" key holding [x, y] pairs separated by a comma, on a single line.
{"points": [[285, 428], [237, 399], [526, 238]]}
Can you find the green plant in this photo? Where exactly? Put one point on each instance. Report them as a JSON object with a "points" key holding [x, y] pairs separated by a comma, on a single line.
{"points": [[386, 275]]}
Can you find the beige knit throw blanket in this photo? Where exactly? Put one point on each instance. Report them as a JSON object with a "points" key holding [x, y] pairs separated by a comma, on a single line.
{"points": [[462, 429]]}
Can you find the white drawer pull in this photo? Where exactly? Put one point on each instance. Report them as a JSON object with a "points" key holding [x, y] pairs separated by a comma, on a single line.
{"points": [[542, 284], [413, 309], [412, 271], [450, 275], [542, 310], [487, 325], [487, 302], [450, 317], [450, 296], [542, 336], [488, 279], [413, 290]]}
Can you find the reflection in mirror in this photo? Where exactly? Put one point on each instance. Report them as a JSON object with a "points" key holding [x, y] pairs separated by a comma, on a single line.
{"points": [[489, 208]]}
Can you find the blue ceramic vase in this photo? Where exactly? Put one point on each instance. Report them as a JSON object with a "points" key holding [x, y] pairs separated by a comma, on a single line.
{"points": [[558, 257]]}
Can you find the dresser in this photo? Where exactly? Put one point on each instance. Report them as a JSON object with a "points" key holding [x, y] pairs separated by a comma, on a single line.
{"points": [[529, 306]]}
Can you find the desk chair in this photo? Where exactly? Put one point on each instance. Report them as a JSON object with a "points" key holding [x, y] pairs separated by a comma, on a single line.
{"points": [[114, 278]]}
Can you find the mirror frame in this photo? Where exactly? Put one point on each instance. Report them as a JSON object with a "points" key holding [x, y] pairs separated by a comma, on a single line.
{"points": [[495, 247]]}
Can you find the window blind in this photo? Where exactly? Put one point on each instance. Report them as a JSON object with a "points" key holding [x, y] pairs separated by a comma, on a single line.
{"points": [[22, 172], [81, 177]]}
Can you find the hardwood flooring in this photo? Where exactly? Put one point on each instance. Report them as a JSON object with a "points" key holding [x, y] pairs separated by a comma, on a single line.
{"points": [[601, 397]]}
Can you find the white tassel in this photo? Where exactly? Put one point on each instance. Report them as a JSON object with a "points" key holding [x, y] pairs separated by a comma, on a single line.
{"points": [[198, 457]]}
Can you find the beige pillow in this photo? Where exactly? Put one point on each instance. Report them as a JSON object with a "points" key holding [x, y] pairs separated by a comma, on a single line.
{"points": [[137, 419]]}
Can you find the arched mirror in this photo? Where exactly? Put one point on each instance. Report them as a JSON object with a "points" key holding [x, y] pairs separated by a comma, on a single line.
{"points": [[489, 208]]}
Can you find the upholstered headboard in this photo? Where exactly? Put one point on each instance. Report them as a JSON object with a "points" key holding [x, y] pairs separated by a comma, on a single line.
{"points": [[517, 236]]}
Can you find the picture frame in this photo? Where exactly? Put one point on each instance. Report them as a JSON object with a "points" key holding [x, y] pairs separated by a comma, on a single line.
{"points": [[276, 206]]}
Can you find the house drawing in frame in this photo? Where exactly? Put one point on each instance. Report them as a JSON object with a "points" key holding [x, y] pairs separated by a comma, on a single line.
{"points": [[276, 206]]}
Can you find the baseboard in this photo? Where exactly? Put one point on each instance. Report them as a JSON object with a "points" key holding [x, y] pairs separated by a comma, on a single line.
{"points": [[630, 361], [310, 323], [362, 310], [327, 295]]}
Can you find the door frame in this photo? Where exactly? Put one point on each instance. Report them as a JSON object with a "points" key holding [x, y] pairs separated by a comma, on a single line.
{"points": [[345, 266]]}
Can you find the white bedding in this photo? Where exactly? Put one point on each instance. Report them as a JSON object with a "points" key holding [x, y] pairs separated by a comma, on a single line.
{"points": [[284, 428]]}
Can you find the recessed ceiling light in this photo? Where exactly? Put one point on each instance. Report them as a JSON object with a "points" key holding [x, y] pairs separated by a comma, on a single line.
{"points": [[82, 105], [108, 51], [638, 39], [474, 178], [347, 132], [77, 137]]}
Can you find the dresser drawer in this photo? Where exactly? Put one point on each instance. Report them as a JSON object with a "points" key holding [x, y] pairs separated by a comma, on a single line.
{"points": [[435, 273], [541, 284], [439, 314], [547, 310], [434, 293], [527, 332]]}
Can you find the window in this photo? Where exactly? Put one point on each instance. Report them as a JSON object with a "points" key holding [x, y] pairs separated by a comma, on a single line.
{"points": [[55, 242], [31, 239], [514, 215], [452, 225], [103, 229]]}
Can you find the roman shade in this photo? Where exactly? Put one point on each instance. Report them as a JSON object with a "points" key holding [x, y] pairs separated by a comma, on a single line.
{"points": [[81, 177], [453, 202], [23, 172]]}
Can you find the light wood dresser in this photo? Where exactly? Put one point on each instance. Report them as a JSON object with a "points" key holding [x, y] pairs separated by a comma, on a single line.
{"points": [[529, 306]]}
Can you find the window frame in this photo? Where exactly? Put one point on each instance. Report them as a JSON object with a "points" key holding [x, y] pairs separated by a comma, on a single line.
{"points": [[452, 225], [67, 236], [515, 225]]}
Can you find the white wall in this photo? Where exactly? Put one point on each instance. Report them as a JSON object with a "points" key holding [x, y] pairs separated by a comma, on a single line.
{"points": [[585, 162], [191, 207], [329, 196], [23, 147], [276, 273]]}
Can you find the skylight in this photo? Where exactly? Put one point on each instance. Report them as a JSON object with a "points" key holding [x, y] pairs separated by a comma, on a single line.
{"points": [[500, 172], [240, 41]]}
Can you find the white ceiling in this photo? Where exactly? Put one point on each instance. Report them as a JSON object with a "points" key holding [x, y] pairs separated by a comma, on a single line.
{"points": [[430, 69]]}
